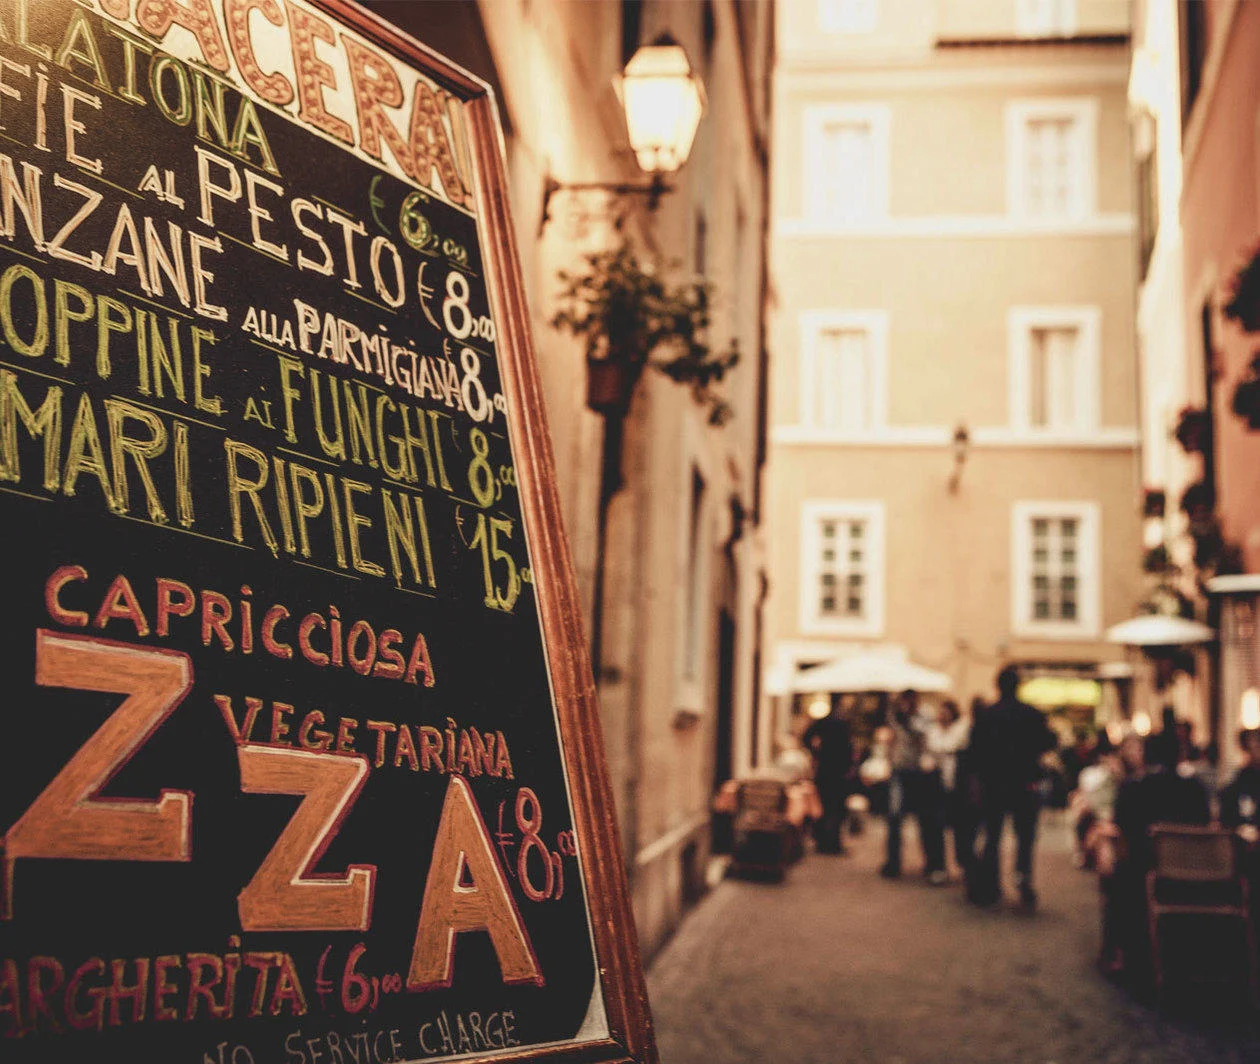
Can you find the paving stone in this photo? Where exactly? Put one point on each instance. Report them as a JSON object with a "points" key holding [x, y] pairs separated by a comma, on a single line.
{"points": [[838, 966]]}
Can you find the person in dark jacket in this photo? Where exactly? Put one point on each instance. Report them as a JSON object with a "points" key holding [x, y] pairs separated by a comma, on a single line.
{"points": [[1153, 793], [1164, 746], [1240, 801], [831, 743], [1008, 742]]}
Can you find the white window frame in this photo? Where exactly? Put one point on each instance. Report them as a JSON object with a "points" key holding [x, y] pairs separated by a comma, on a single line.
{"points": [[815, 511], [813, 323], [816, 118], [845, 16], [1080, 109], [1027, 24], [1021, 322], [1088, 577]]}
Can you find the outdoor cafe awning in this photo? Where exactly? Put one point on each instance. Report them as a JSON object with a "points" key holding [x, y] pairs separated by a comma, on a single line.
{"points": [[870, 671], [1159, 630]]}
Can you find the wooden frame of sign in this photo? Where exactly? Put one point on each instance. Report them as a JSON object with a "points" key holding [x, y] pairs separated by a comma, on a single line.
{"points": [[304, 760]]}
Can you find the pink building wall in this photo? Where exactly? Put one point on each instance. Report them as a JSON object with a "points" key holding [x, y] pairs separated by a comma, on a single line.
{"points": [[1220, 211]]}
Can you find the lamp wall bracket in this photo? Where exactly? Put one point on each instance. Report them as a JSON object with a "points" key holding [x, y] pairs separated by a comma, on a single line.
{"points": [[653, 190]]}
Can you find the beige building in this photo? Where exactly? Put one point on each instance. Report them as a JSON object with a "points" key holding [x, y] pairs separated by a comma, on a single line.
{"points": [[954, 445], [683, 564]]}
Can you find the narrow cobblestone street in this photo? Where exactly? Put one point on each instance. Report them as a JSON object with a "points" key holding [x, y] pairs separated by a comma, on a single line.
{"points": [[838, 966]]}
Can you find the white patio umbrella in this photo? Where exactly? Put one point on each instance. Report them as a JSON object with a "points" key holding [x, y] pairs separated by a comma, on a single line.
{"points": [[1159, 630], [870, 671]]}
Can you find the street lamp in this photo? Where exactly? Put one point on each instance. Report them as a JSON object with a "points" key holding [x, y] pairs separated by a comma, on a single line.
{"points": [[1249, 710], [959, 446], [663, 100]]}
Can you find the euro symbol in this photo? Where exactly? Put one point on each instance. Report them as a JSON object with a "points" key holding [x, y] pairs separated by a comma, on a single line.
{"points": [[426, 293], [375, 202]]}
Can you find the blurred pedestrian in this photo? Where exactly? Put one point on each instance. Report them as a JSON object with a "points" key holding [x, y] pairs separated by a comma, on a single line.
{"points": [[831, 742], [969, 801], [1093, 802], [910, 787], [1188, 751], [1164, 746], [1008, 742], [1080, 755], [944, 739]]}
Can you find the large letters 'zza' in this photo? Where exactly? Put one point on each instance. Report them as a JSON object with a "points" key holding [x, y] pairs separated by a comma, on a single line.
{"points": [[451, 905], [68, 819], [282, 896]]}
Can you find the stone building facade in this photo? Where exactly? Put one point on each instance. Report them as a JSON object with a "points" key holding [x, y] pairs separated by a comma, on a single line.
{"points": [[683, 562]]}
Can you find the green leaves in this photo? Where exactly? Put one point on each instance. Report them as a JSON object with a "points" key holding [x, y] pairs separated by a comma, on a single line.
{"points": [[623, 311]]}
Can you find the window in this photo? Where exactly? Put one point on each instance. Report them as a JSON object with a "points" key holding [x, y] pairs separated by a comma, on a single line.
{"points": [[1045, 18], [1051, 158], [842, 380], [1055, 570], [843, 371], [847, 16], [1054, 391], [847, 162], [842, 565], [1054, 370], [842, 568]]}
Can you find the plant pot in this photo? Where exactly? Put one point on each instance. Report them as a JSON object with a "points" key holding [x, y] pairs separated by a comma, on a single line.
{"points": [[609, 383]]}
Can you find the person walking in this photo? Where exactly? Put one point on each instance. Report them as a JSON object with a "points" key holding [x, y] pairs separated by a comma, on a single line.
{"points": [[944, 740], [969, 791], [909, 789], [831, 742], [1007, 745]]}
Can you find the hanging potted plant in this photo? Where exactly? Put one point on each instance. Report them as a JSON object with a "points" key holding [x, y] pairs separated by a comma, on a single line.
{"points": [[1191, 430], [628, 318], [1244, 294]]}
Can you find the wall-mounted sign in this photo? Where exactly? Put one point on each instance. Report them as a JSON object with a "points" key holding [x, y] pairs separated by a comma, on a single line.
{"points": [[299, 759]]}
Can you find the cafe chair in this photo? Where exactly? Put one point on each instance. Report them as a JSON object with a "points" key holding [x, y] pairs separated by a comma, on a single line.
{"points": [[762, 829], [1195, 872]]}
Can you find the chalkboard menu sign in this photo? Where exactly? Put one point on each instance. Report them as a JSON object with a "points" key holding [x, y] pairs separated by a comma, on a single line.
{"points": [[299, 758]]}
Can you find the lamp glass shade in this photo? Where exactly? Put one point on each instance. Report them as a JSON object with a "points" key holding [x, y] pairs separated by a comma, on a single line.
{"points": [[664, 102], [1249, 711]]}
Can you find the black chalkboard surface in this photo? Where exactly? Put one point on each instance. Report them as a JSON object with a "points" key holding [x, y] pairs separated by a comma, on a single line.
{"points": [[299, 758]]}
